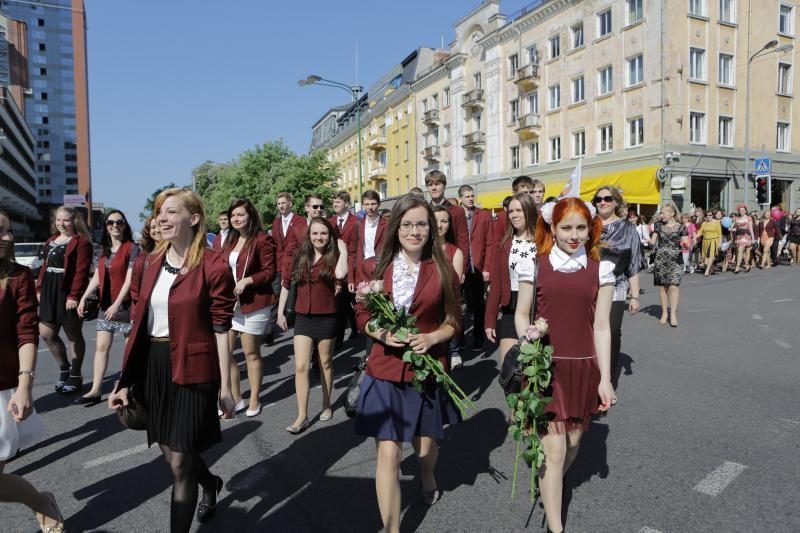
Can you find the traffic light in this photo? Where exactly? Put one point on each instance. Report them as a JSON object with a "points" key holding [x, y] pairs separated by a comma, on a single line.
{"points": [[762, 190]]}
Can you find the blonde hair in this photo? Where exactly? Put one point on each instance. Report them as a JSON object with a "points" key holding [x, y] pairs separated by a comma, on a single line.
{"points": [[675, 213], [78, 223], [192, 202]]}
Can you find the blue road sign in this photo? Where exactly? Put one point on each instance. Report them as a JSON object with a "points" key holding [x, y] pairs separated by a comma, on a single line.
{"points": [[763, 166]]}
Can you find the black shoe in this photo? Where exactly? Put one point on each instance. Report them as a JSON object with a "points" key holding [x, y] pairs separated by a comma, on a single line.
{"points": [[88, 401], [205, 510], [63, 376], [338, 344]]}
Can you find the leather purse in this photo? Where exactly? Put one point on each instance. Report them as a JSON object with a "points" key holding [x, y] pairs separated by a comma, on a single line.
{"points": [[134, 415], [510, 377], [354, 388], [91, 307], [288, 309]]}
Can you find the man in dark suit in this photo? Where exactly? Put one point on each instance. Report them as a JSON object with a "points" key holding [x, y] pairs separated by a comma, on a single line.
{"points": [[479, 225], [346, 225], [436, 183], [224, 227]]}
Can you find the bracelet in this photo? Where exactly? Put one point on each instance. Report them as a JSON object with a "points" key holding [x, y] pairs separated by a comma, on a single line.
{"points": [[30, 373]]}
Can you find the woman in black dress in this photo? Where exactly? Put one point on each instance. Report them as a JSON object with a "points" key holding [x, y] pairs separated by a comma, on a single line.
{"points": [[669, 236]]}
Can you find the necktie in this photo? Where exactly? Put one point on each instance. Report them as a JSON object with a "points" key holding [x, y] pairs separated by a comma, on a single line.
{"points": [[470, 268], [341, 224]]}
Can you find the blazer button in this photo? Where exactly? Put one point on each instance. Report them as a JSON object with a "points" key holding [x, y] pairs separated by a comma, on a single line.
{"points": [[173, 345]]}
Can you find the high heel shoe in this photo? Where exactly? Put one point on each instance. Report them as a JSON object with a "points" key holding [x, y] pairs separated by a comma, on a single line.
{"points": [[52, 522], [205, 510]]}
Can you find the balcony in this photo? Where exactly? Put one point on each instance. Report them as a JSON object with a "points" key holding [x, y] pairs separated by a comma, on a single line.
{"points": [[377, 143], [475, 141], [378, 173], [431, 117], [528, 126], [431, 153], [473, 99], [527, 77]]}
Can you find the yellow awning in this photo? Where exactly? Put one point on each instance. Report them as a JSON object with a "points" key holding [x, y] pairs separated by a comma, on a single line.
{"points": [[639, 186]]}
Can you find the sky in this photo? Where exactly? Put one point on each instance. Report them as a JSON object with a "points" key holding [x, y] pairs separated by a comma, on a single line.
{"points": [[173, 83]]}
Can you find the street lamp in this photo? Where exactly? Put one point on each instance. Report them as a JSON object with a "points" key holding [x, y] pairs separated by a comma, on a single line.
{"points": [[771, 47], [355, 92]]}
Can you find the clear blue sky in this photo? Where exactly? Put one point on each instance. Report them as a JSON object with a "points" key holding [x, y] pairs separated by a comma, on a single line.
{"points": [[174, 83]]}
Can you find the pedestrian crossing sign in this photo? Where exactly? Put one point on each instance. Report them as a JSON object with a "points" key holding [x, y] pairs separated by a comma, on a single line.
{"points": [[762, 166]]}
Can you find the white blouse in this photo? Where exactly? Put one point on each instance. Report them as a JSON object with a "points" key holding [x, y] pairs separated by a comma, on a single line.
{"points": [[158, 314], [563, 262], [232, 263], [404, 281], [521, 262]]}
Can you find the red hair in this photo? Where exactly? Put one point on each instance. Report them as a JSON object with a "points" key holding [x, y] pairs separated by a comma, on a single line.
{"points": [[568, 206]]}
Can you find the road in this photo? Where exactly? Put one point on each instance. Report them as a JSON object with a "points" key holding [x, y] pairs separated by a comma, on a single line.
{"points": [[704, 439]]}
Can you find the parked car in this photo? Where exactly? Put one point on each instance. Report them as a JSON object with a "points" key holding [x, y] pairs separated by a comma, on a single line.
{"points": [[28, 254]]}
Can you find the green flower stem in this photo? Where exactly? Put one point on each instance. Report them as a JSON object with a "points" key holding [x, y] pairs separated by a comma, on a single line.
{"points": [[516, 464]]}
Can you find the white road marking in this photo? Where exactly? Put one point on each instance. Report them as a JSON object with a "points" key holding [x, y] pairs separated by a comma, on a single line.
{"points": [[719, 479], [703, 310], [790, 424], [114, 456], [765, 327], [783, 344], [782, 300], [757, 317], [648, 530]]}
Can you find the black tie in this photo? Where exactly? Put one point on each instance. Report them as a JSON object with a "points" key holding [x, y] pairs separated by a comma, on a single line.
{"points": [[341, 224]]}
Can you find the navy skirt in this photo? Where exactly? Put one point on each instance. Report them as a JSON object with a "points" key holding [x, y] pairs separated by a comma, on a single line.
{"points": [[396, 411]]}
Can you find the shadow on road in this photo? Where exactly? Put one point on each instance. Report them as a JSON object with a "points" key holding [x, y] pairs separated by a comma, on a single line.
{"points": [[592, 461], [624, 366]]}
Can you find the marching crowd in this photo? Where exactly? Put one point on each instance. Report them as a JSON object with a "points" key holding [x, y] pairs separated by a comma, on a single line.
{"points": [[180, 306]]}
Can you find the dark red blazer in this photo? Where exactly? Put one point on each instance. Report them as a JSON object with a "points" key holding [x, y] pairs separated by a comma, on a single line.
{"points": [[136, 281], [77, 263], [386, 362], [349, 235], [217, 244], [200, 304], [315, 298], [353, 273], [19, 324], [496, 232], [256, 260], [772, 229], [480, 238], [500, 287], [118, 271], [298, 229]]}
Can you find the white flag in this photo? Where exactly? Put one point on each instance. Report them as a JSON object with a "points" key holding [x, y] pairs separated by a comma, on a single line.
{"points": [[573, 186]]}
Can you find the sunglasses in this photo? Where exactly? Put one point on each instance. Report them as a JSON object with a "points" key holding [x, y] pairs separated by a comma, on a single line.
{"points": [[606, 199], [117, 223], [316, 206]]}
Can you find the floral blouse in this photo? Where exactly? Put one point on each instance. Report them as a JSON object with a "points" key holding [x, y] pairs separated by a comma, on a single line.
{"points": [[521, 262], [404, 281]]}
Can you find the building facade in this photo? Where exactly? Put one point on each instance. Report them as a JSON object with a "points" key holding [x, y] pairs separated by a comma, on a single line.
{"points": [[57, 109]]}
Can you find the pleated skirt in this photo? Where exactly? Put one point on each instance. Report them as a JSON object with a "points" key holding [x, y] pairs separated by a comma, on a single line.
{"points": [[317, 327], [573, 388], [183, 417]]}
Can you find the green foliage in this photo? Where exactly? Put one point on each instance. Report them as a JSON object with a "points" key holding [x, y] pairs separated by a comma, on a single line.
{"points": [[148, 205]]}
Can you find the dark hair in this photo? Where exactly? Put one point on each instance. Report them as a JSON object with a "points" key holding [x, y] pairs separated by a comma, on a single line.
{"points": [[530, 212], [521, 180], [312, 195], [506, 201], [7, 264], [224, 213], [369, 194], [463, 189], [105, 241], [342, 195], [450, 236], [431, 249], [616, 194], [435, 176], [147, 243], [304, 260], [416, 190], [254, 225]]}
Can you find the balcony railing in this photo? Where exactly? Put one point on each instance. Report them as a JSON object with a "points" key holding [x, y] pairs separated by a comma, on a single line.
{"points": [[528, 126], [377, 173], [527, 77], [431, 153], [431, 117], [377, 143], [473, 98], [474, 141]]}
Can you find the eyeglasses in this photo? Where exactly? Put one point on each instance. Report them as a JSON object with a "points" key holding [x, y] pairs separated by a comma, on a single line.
{"points": [[316, 206], [117, 223], [709, 215], [606, 199], [406, 227]]}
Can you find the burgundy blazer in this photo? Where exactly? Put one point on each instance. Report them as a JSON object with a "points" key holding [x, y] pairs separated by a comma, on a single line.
{"points": [[136, 281], [349, 235], [354, 273], [772, 229], [20, 323], [386, 362], [298, 229], [118, 271], [256, 260], [480, 238], [77, 263], [200, 304], [458, 220], [495, 236], [315, 298], [500, 287]]}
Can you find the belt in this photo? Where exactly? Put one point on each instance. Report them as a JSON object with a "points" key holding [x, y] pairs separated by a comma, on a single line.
{"points": [[55, 270], [159, 339]]}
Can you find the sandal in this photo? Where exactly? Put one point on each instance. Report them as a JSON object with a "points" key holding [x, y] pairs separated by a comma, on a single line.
{"points": [[63, 376], [54, 523]]}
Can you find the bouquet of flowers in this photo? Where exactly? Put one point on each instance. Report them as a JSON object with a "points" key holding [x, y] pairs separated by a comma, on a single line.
{"points": [[400, 323], [527, 406]]}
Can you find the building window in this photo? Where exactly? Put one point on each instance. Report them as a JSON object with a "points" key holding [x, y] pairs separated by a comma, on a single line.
{"points": [[555, 149], [576, 33], [726, 132], [44, 96], [635, 11], [513, 65], [476, 80], [514, 106], [697, 128], [578, 143], [577, 90], [435, 101], [446, 97], [554, 47], [42, 71], [554, 97], [605, 82], [605, 137], [697, 7], [604, 23], [727, 11], [533, 55], [635, 132], [784, 78], [786, 20], [635, 70], [42, 47], [447, 131], [784, 142], [697, 64], [726, 69], [533, 154], [514, 157], [446, 135], [424, 105], [446, 170], [533, 102], [40, 22], [478, 164]]}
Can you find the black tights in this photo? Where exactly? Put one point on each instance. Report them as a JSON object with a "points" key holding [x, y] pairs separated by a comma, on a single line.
{"points": [[188, 470]]}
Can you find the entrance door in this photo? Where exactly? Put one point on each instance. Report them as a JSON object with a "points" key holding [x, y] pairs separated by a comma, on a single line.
{"points": [[781, 193], [709, 193]]}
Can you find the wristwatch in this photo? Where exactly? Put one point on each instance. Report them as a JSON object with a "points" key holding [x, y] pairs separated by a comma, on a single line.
{"points": [[30, 373]]}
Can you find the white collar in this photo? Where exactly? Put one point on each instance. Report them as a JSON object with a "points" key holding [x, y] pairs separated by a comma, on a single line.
{"points": [[287, 216], [559, 258], [443, 202], [343, 218], [371, 223]]}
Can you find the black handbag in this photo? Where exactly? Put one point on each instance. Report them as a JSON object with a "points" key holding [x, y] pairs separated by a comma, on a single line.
{"points": [[354, 388], [91, 307], [291, 300], [134, 415], [510, 377]]}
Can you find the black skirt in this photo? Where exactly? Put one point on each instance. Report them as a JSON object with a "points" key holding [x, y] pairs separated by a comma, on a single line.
{"points": [[505, 325], [182, 417], [53, 301], [317, 327]]}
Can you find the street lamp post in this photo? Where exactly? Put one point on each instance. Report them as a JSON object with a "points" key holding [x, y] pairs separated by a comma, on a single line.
{"points": [[769, 46], [355, 92]]}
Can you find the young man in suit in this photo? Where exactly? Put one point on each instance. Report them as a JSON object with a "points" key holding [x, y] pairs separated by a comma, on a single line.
{"points": [[224, 227], [479, 225], [370, 235], [346, 226], [436, 183], [314, 207]]}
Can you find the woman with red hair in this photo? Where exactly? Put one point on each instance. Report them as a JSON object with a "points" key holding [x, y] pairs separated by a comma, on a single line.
{"points": [[574, 290]]}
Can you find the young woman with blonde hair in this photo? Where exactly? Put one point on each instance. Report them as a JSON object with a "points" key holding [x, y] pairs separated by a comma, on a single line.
{"points": [[670, 237]]}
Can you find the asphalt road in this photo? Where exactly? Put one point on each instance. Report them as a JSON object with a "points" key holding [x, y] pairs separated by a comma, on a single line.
{"points": [[704, 438]]}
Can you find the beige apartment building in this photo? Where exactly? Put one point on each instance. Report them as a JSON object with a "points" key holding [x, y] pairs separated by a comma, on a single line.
{"points": [[650, 95]]}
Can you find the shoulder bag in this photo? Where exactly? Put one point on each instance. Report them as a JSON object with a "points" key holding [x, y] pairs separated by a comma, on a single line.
{"points": [[288, 309], [354, 387]]}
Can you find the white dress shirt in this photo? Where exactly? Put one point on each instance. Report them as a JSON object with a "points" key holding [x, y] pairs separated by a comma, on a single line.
{"points": [[158, 313], [285, 221], [341, 220], [370, 231], [563, 262]]}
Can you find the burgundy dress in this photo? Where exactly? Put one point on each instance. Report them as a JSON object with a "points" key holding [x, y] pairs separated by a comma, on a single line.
{"points": [[567, 301]]}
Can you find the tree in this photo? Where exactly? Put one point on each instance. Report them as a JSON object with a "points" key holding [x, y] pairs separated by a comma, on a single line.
{"points": [[148, 205], [205, 176]]}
